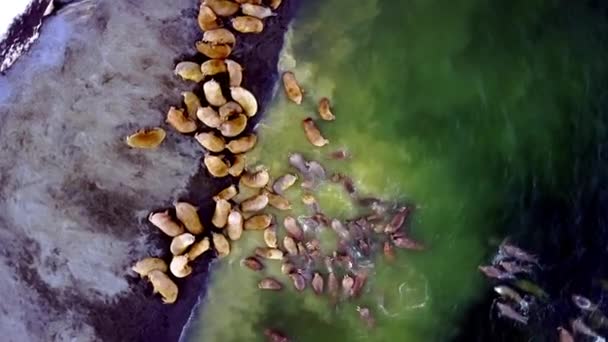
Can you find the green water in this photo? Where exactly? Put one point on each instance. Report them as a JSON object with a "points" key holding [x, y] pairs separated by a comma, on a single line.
{"points": [[452, 104]]}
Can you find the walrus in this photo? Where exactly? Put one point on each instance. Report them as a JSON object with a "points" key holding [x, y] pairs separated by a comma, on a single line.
{"points": [[252, 263], [258, 222], [180, 243], [188, 215], [287, 267], [277, 201], [299, 283], [275, 336], [247, 24], [209, 117], [293, 228], [223, 8], [255, 203], [292, 88], [213, 67], [192, 103], [179, 266], [313, 134], [274, 4], [163, 285], [189, 71], [238, 165], [210, 141], [347, 285], [269, 253], [234, 127], [221, 244], [147, 138], [317, 283], [216, 166], [397, 220], [220, 214], [213, 50], [235, 73], [146, 265], [290, 245], [270, 284], [220, 36], [283, 183], [163, 221], [229, 109], [213, 93], [181, 123], [324, 110], [207, 19], [246, 99], [270, 237], [257, 179], [198, 248], [234, 225], [256, 11], [243, 144], [226, 194]]}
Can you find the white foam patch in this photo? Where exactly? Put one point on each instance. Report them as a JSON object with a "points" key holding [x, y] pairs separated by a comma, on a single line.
{"points": [[9, 10]]}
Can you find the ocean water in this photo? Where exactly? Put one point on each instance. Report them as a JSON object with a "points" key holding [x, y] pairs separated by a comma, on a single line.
{"points": [[453, 105]]}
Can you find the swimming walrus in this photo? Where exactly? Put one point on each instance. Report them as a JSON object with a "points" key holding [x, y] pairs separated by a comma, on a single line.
{"points": [[277, 201], [293, 228], [270, 284], [146, 138], [283, 183], [324, 110], [258, 222], [313, 134], [270, 237], [289, 244], [269, 253], [252, 263], [179, 121], [234, 225]]}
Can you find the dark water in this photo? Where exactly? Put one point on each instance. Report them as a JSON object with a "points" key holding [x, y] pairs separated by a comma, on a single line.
{"points": [[487, 114]]}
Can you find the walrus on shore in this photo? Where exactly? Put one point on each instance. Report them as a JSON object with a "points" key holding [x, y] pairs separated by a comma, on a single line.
{"points": [[229, 109], [257, 179], [188, 215], [313, 134], [234, 225], [292, 88], [235, 73], [216, 166], [270, 284], [223, 8], [189, 71], [207, 19], [179, 266], [247, 24], [243, 144], [213, 50], [211, 141], [270, 237], [221, 244], [192, 103], [163, 221], [213, 93], [226, 194], [213, 67], [289, 244], [274, 4], [180, 243], [246, 99], [209, 117], [179, 121], [234, 127], [221, 212], [258, 222], [147, 138], [163, 285], [198, 248], [257, 11], [293, 228], [238, 165], [147, 265], [255, 203]]}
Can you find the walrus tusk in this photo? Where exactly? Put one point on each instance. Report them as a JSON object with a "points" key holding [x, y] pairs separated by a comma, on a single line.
{"points": [[292, 88], [313, 134]]}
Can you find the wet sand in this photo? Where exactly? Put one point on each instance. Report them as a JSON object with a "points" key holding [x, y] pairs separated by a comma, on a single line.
{"points": [[64, 159]]}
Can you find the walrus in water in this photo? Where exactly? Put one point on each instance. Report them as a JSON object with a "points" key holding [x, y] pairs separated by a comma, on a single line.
{"points": [[242, 144], [192, 103], [238, 165], [258, 222], [324, 109], [163, 221], [252, 263], [313, 134], [270, 284], [147, 138], [255, 203], [270, 237], [292, 88], [222, 246], [257, 179]]}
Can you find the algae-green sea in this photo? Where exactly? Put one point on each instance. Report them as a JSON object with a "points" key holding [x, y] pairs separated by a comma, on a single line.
{"points": [[453, 105]]}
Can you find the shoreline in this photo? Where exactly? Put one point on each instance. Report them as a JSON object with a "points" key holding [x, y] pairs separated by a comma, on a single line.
{"points": [[259, 54]]}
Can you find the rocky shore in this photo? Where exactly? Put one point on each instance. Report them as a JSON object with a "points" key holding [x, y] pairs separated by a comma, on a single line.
{"points": [[74, 198]]}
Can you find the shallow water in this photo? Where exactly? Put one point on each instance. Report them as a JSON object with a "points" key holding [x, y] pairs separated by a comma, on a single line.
{"points": [[451, 105]]}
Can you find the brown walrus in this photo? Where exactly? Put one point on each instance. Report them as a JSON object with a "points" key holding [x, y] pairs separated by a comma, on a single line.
{"points": [[292, 88], [313, 134], [147, 138]]}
